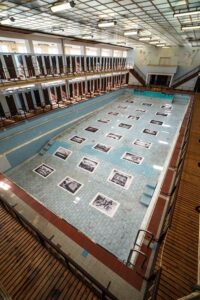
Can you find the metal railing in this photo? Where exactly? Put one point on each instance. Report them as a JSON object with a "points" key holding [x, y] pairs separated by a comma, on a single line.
{"points": [[66, 260], [137, 69], [184, 76]]}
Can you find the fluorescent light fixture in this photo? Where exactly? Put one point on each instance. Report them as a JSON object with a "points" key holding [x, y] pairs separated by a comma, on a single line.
{"points": [[160, 45], [62, 6], [166, 47], [104, 24], [187, 13], [195, 27], [131, 32], [144, 38], [8, 21], [163, 142], [154, 42]]}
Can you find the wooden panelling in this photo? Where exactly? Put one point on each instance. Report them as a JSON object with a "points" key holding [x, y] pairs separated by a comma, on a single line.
{"points": [[179, 252]]}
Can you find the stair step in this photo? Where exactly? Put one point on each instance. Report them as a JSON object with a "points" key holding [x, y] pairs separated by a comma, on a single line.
{"points": [[146, 199]]}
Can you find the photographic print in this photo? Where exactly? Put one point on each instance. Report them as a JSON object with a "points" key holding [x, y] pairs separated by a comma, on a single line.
{"points": [[88, 164], [105, 204], [102, 148], [103, 121], [167, 106], [62, 153], [149, 131], [120, 178], [91, 129], [114, 136], [113, 113], [141, 110], [70, 185], [44, 170], [133, 158], [77, 139], [133, 117], [143, 144], [161, 114], [156, 122], [147, 104], [123, 125]]}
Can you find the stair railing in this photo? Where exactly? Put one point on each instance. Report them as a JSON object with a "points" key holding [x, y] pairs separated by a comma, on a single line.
{"points": [[184, 76]]}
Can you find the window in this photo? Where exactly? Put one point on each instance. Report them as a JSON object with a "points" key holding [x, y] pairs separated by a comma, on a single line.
{"points": [[92, 51], [73, 49], [106, 52]]}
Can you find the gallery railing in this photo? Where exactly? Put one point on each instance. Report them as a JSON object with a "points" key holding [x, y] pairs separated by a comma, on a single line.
{"points": [[67, 261]]}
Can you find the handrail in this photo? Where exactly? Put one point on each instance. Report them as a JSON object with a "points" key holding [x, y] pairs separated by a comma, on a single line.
{"points": [[196, 69], [129, 263], [100, 290], [145, 231]]}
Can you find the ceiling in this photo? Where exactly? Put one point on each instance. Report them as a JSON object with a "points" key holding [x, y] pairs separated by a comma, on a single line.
{"points": [[152, 18]]}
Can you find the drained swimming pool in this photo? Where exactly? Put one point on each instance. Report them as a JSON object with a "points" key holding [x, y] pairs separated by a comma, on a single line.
{"points": [[100, 174]]}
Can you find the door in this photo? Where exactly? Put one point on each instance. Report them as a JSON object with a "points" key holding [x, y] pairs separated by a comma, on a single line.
{"points": [[58, 91], [29, 64], [46, 96], [10, 66], [29, 100], [22, 103], [88, 63], [37, 98], [68, 64], [73, 64], [47, 64], [70, 90], [11, 104], [53, 59], [60, 63], [82, 64], [2, 114], [39, 59]]}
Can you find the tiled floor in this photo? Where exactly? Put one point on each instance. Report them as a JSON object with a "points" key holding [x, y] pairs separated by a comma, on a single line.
{"points": [[99, 192]]}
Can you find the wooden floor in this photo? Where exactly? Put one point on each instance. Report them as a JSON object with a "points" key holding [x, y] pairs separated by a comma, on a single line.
{"points": [[179, 253], [28, 271]]}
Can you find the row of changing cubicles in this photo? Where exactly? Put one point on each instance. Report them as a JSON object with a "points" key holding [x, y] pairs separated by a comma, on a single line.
{"points": [[22, 66], [27, 99]]}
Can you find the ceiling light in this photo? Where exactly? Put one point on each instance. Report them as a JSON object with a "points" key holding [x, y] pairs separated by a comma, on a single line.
{"points": [[144, 38], [132, 32], [188, 13], [166, 47], [8, 21], [62, 6], [160, 45], [191, 27], [102, 24], [154, 42]]}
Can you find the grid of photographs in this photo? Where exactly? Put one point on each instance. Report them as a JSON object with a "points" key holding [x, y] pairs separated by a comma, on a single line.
{"points": [[120, 178], [161, 114], [70, 185], [133, 158], [151, 132], [156, 122], [147, 104], [91, 129], [114, 136], [133, 117], [77, 139], [88, 164], [102, 147], [113, 113], [44, 170], [126, 126], [105, 204], [141, 110], [62, 153], [143, 144], [103, 121]]}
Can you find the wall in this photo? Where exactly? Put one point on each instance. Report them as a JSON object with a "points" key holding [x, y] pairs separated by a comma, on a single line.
{"points": [[189, 85], [186, 58]]}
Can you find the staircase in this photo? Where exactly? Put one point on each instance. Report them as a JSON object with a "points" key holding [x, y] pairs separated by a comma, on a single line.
{"points": [[186, 77], [138, 75]]}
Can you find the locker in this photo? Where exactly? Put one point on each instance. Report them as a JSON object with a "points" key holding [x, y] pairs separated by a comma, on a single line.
{"points": [[10, 66]]}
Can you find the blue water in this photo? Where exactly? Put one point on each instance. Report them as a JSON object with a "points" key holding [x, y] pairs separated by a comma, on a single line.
{"points": [[117, 232]]}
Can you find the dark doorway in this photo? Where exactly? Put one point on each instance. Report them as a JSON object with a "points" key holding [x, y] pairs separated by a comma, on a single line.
{"points": [[10, 66], [68, 64], [2, 114], [39, 59], [197, 85], [59, 98], [161, 80], [29, 64], [2, 73], [46, 96], [21, 100], [60, 63], [29, 100], [11, 104], [53, 59], [47, 64], [37, 98]]}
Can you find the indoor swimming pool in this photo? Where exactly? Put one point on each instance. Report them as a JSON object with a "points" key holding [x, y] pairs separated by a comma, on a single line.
{"points": [[100, 173]]}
